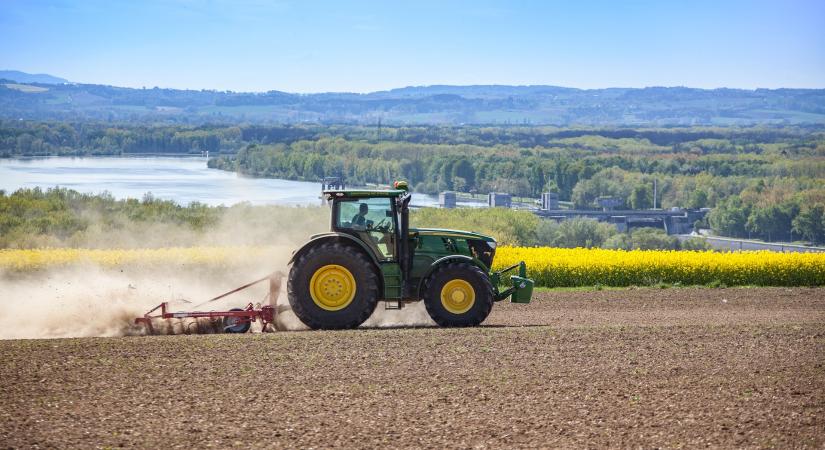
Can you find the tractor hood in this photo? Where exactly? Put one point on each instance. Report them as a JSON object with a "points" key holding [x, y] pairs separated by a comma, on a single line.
{"points": [[451, 233]]}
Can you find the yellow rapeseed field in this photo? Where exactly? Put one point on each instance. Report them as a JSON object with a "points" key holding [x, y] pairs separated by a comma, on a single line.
{"points": [[557, 267], [39, 259], [549, 267]]}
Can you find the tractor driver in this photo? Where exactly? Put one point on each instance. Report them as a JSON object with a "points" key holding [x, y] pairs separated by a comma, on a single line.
{"points": [[360, 220]]}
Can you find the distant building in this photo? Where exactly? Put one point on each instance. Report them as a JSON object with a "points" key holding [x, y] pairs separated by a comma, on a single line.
{"points": [[673, 221], [499, 200], [608, 203], [549, 200], [446, 200], [332, 183]]}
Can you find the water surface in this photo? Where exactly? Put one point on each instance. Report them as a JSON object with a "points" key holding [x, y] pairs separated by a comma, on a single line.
{"points": [[182, 179]]}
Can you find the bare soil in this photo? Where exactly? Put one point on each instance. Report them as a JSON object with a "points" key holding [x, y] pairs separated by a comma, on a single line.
{"points": [[630, 368]]}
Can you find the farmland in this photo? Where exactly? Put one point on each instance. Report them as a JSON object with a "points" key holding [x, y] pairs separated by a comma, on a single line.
{"points": [[618, 368]]}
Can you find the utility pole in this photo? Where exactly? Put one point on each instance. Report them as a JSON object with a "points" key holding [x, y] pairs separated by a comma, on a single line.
{"points": [[379, 129], [655, 192]]}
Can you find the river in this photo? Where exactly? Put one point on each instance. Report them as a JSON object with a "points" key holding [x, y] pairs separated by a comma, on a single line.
{"points": [[182, 179]]}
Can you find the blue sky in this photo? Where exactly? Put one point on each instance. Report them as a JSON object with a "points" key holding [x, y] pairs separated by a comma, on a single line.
{"points": [[362, 46]]}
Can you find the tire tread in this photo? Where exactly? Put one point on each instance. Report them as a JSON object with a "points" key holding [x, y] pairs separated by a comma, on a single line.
{"points": [[302, 308], [476, 315]]}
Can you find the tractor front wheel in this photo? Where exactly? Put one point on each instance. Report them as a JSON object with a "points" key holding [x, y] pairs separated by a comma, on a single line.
{"points": [[458, 295], [333, 286]]}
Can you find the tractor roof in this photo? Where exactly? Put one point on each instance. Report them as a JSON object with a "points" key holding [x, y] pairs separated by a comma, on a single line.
{"points": [[363, 193]]}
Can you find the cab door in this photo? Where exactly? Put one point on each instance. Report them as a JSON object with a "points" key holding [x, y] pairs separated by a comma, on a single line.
{"points": [[373, 221]]}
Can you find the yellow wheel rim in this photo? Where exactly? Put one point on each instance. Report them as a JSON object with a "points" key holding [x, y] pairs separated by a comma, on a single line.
{"points": [[332, 287], [458, 296]]}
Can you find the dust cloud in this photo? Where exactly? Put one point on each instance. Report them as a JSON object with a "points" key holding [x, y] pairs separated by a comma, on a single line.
{"points": [[411, 315], [239, 225], [88, 300]]}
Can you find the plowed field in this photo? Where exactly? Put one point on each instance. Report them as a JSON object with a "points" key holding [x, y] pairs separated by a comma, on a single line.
{"points": [[645, 367]]}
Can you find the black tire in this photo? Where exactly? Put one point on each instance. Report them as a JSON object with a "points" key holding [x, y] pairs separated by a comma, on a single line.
{"points": [[482, 288], [234, 324], [360, 267]]}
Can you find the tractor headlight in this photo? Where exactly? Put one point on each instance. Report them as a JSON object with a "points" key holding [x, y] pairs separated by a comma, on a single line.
{"points": [[492, 245]]}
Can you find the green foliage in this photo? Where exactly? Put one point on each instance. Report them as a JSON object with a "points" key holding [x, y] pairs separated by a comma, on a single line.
{"points": [[641, 197], [730, 218], [810, 224], [32, 217], [606, 183], [645, 239], [698, 199], [509, 227], [695, 244], [756, 179], [652, 239], [60, 217], [772, 222], [463, 169], [573, 233], [64, 138]]}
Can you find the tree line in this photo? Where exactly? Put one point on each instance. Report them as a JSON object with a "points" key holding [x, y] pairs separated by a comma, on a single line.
{"points": [[762, 182], [60, 217]]}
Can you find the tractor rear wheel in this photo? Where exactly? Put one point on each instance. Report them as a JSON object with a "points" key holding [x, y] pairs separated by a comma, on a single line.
{"points": [[458, 295], [333, 286]]}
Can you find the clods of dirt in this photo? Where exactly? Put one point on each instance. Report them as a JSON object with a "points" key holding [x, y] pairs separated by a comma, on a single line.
{"points": [[628, 368]]}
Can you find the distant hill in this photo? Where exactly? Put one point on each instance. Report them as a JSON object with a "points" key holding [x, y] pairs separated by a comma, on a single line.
{"points": [[449, 105], [23, 77]]}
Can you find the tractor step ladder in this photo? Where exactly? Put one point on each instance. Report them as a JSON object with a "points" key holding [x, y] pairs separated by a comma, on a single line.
{"points": [[393, 289]]}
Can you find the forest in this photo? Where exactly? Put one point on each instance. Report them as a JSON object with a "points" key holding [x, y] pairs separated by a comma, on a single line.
{"points": [[765, 182]]}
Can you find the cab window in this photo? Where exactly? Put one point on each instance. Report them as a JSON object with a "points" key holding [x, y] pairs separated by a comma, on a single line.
{"points": [[372, 220]]}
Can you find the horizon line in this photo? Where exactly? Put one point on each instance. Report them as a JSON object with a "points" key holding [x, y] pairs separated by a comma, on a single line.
{"points": [[411, 86]]}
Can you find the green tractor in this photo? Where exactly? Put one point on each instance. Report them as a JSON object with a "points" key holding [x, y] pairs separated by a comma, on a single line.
{"points": [[371, 254]]}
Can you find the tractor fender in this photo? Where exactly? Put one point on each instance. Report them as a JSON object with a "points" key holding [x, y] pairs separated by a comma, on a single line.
{"points": [[445, 260], [333, 236]]}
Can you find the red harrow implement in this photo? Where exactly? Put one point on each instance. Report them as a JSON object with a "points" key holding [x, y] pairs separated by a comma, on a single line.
{"points": [[236, 320]]}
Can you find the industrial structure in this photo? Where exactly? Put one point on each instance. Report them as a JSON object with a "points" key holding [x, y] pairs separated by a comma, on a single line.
{"points": [[447, 200], [673, 221], [499, 200]]}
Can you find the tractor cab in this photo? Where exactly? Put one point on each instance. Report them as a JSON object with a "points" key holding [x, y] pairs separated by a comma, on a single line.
{"points": [[371, 254], [371, 216]]}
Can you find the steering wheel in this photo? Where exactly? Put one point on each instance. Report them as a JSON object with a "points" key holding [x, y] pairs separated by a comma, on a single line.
{"points": [[382, 226]]}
